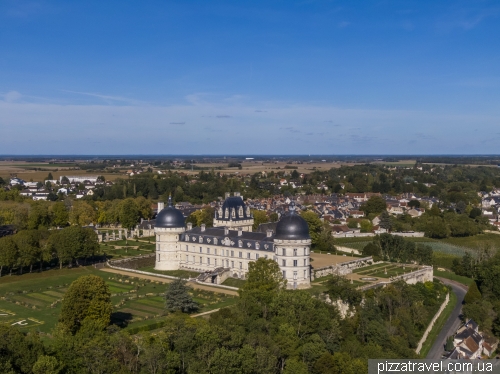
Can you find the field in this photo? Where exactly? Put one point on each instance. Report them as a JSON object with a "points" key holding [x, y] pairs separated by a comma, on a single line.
{"points": [[34, 300]]}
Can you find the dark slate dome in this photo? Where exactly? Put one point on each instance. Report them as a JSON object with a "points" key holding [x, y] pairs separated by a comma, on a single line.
{"points": [[233, 204], [292, 227], [170, 217]]}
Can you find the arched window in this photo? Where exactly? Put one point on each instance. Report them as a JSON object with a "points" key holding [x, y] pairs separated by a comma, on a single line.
{"points": [[240, 212], [220, 212], [233, 213], [226, 213]]}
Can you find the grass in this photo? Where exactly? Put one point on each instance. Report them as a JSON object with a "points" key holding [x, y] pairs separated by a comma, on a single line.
{"points": [[173, 273], [476, 241], [452, 276], [443, 260], [234, 282], [438, 326]]}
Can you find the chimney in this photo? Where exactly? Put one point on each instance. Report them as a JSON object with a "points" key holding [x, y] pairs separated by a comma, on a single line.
{"points": [[203, 227], [142, 220], [240, 231], [269, 233], [236, 194], [226, 230], [189, 226], [161, 205], [227, 194]]}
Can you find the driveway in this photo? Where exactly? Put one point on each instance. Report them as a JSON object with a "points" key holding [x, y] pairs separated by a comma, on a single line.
{"points": [[452, 323]]}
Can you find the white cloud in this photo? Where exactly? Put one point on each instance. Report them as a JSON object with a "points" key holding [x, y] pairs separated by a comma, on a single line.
{"points": [[12, 96]]}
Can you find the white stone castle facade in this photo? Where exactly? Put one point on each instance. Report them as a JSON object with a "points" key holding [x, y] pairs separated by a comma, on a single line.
{"points": [[230, 246]]}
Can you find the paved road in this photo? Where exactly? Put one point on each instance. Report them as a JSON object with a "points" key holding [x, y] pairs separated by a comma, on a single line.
{"points": [[453, 322]]}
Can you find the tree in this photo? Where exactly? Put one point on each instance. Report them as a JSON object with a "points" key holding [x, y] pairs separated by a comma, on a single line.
{"points": [[366, 225], [273, 217], [60, 215], [375, 204], [88, 297], [74, 242], [46, 365], [414, 204], [129, 213], [475, 212], [371, 249], [385, 221], [339, 287], [473, 295], [178, 299], [202, 216], [49, 177], [259, 216], [82, 213], [28, 247], [264, 282], [8, 253], [315, 225]]}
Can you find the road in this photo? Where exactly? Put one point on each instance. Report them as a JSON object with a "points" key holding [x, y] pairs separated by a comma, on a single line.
{"points": [[452, 323]]}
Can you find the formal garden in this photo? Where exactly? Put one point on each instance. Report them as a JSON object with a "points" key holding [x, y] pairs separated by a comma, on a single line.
{"points": [[34, 300]]}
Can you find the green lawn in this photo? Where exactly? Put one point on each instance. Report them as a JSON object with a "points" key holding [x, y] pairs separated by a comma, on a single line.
{"points": [[234, 282], [438, 326], [452, 276], [173, 273]]}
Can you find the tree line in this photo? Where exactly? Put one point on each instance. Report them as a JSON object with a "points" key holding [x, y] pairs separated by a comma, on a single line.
{"points": [[29, 248]]}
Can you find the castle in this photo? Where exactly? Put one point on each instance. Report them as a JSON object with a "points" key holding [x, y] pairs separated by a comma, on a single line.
{"points": [[227, 248]]}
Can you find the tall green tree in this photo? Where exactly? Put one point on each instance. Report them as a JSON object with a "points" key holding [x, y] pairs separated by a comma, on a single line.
{"points": [[259, 216], [9, 253], [178, 299], [60, 215], [88, 297], [375, 204], [129, 213], [315, 225]]}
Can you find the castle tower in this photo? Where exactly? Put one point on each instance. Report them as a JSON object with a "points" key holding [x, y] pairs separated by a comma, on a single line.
{"points": [[234, 214], [292, 245], [170, 224]]}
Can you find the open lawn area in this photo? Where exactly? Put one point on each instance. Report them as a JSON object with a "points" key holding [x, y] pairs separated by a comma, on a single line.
{"points": [[34, 300], [452, 276], [186, 274]]}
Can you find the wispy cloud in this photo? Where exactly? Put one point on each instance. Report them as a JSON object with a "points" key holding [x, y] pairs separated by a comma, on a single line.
{"points": [[223, 116], [177, 123], [11, 96], [108, 98]]}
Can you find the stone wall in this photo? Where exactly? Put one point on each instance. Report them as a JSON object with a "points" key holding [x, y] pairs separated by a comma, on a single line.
{"points": [[431, 324]]}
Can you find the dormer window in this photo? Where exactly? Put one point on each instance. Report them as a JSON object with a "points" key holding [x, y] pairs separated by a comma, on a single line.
{"points": [[201, 239], [240, 212], [248, 212], [215, 241], [233, 213], [226, 213], [257, 246], [240, 243], [220, 212]]}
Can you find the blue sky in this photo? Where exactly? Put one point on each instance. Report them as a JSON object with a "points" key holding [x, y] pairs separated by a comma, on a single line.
{"points": [[249, 77]]}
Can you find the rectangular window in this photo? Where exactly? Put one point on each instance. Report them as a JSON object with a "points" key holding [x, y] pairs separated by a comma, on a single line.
{"points": [[295, 262], [295, 275], [232, 264], [201, 260], [305, 274], [215, 251], [284, 274], [232, 253], [187, 258], [201, 250], [187, 248], [215, 262], [256, 256], [240, 255], [295, 251], [248, 255], [227, 263], [208, 261], [241, 265], [283, 262], [284, 251], [305, 262], [208, 250]]}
